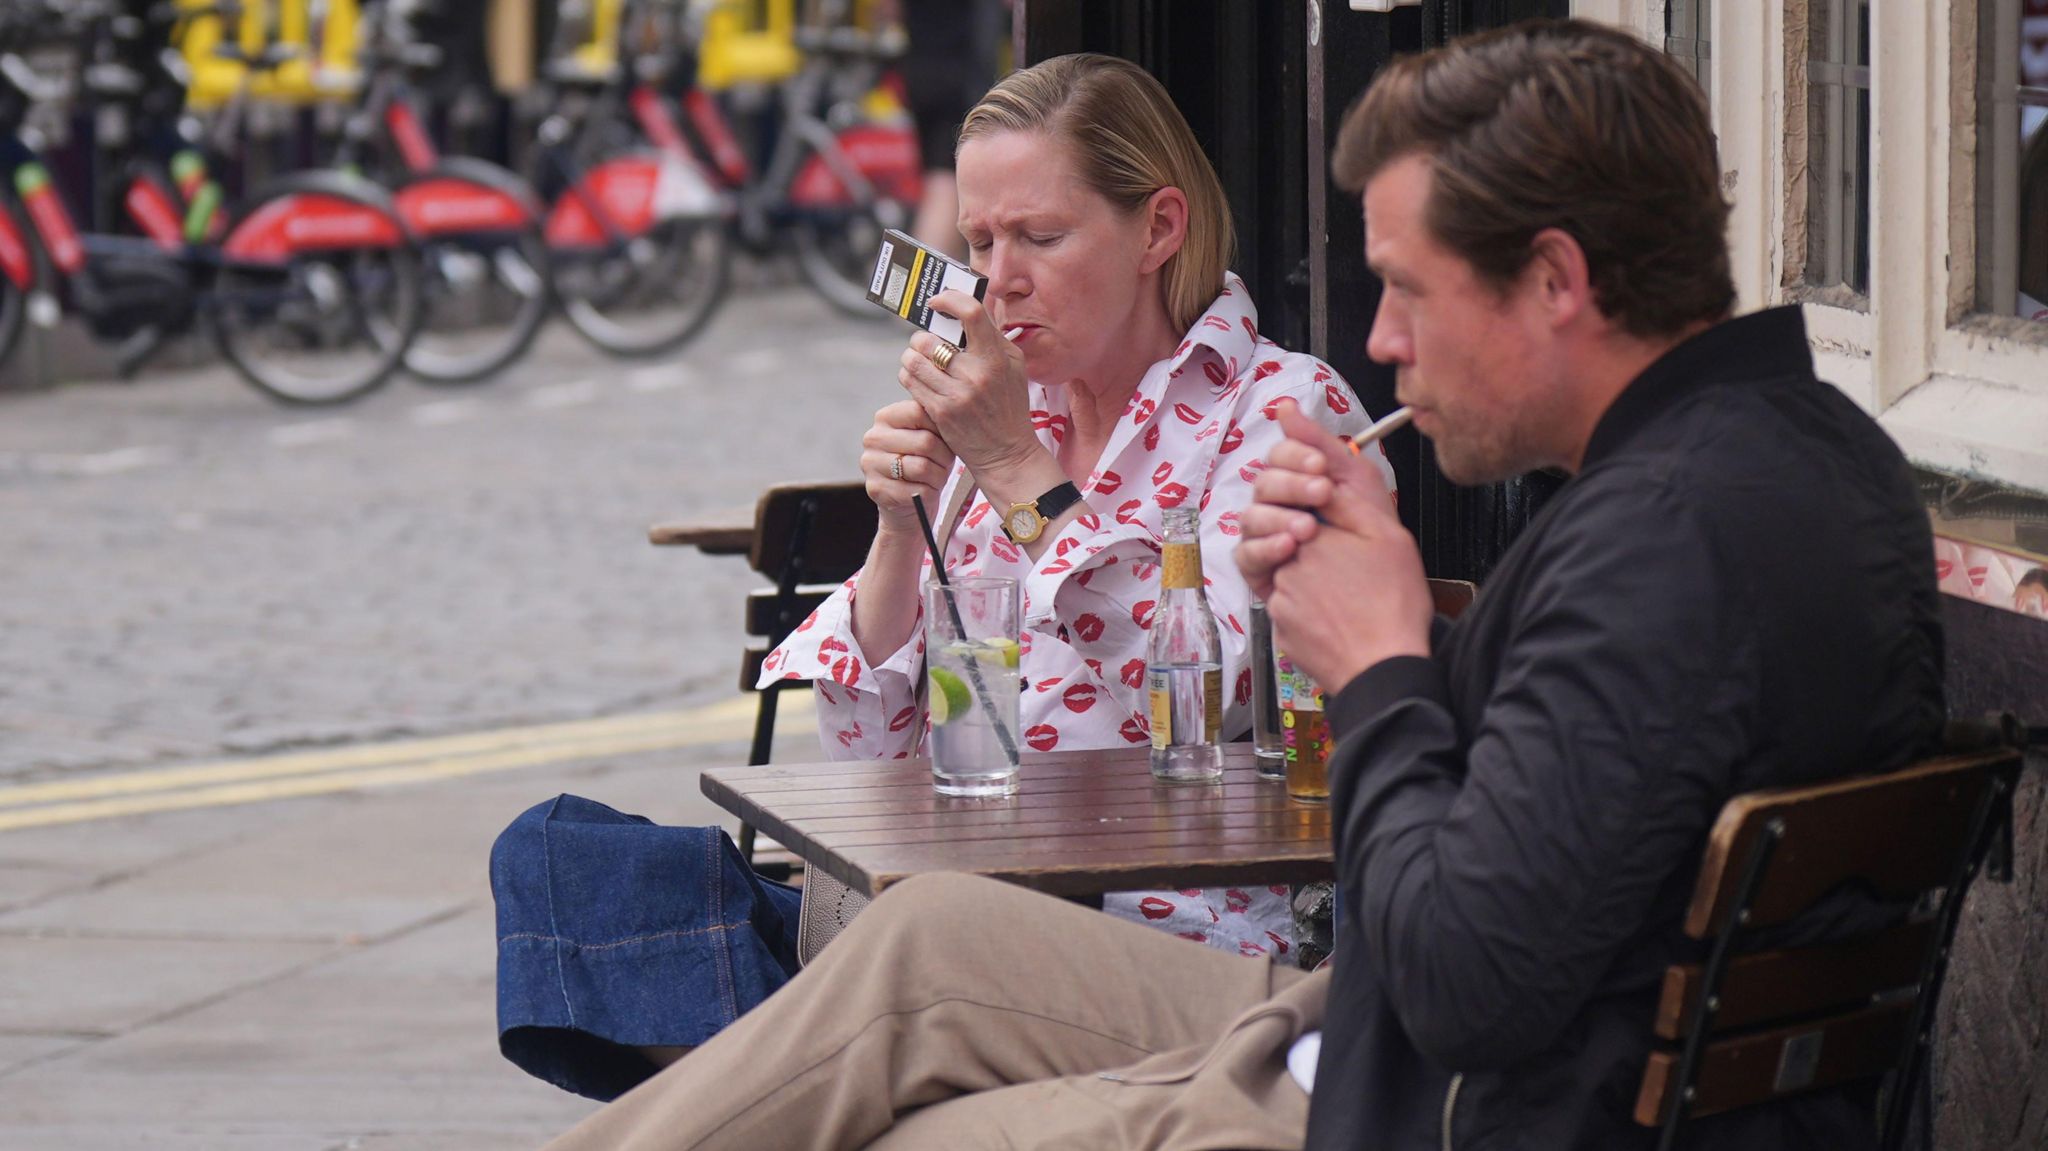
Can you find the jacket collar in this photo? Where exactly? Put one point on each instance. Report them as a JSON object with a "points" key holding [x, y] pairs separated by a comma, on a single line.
{"points": [[1766, 345]]}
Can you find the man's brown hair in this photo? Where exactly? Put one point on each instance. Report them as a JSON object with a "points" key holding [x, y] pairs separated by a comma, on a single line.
{"points": [[1560, 124]]}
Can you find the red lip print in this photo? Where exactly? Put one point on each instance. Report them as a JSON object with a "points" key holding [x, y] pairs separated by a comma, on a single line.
{"points": [[830, 646], [1162, 473], [979, 513], [1251, 471], [1079, 698], [1338, 401], [903, 719], [1250, 328], [1136, 730], [1004, 549], [1227, 524], [1172, 495], [1218, 378], [846, 670], [1216, 322], [1044, 737], [1152, 438], [1108, 482], [1133, 673], [1264, 369], [1141, 613], [1143, 411], [1154, 907], [1243, 692], [1128, 513], [1231, 439], [1089, 628], [1186, 414]]}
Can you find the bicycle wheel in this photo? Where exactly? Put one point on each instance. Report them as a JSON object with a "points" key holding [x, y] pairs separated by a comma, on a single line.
{"points": [[483, 269], [651, 294], [318, 292], [483, 299], [836, 251]]}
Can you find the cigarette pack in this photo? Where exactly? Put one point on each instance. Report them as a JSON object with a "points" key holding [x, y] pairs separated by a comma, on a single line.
{"points": [[908, 274]]}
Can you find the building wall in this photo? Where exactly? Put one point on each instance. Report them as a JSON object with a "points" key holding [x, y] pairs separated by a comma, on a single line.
{"points": [[1991, 1060]]}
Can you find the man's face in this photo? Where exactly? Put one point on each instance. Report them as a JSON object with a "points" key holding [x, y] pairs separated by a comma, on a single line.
{"points": [[1473, 362]]}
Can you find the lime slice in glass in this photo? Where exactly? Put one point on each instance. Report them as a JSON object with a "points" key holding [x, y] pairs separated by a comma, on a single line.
{"points": [[949, 697], [998, 652]]}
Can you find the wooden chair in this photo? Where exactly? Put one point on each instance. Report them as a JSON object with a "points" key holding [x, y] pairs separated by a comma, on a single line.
{"points": [[807, 538], [1452, 596], [1743, 1029]]}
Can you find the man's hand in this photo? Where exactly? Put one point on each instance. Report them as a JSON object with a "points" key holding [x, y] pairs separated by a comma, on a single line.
{"points": [[1345, 591]]}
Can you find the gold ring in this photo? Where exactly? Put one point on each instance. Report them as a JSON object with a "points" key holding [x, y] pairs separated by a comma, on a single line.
{"points": [[943, 353]]}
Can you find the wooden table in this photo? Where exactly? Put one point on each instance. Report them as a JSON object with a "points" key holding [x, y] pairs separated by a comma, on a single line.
{"points": [[1082, 823]]}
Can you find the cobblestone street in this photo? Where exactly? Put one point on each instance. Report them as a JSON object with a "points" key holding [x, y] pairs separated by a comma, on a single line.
{"points": [[192, 569], [272, 680]]}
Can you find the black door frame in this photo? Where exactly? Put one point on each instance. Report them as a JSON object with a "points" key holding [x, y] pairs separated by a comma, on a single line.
{"points": [[1258, 81]]}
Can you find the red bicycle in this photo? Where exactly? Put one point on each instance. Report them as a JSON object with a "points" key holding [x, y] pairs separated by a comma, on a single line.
{"points": [[311, 291]]}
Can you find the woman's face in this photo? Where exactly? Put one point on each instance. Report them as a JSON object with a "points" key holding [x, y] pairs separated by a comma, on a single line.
{"points": [[1064, 265]]}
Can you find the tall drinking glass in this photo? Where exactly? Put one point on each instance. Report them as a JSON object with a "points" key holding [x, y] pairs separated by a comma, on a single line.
{"points": [[1305, 730], [971, 655], [1269, 743]]}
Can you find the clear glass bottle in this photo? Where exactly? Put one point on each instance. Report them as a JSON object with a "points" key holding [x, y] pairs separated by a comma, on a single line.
{"points": [[1269, 746], [1184, 662]]}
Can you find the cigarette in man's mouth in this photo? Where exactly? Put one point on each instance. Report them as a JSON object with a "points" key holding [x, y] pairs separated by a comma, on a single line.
{"points": [[1011, 334], [1382, 429]]}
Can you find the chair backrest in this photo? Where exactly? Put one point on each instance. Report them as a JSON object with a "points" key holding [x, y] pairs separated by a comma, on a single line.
{"points": [[808, 538], [1760, 1026], [812, 532], [1451, 597]]}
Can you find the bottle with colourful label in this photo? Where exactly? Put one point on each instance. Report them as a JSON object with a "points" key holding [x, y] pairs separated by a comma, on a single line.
{"points": [[1304, 732]]}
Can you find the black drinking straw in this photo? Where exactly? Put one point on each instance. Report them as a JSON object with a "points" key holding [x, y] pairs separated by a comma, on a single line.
{"points": [[931, 543]]}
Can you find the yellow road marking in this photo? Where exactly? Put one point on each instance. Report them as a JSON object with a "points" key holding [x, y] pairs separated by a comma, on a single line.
{"points": [[404, 761]]}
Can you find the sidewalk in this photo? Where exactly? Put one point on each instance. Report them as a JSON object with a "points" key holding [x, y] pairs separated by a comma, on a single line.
{"points": [[305, 974]]}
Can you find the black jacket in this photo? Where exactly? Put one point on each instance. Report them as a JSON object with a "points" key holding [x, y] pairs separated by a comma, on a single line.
{"points": [[1737, 591]]}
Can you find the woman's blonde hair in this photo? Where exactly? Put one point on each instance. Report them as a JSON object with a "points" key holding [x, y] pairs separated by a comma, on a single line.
{"points": [[1129, 141]]}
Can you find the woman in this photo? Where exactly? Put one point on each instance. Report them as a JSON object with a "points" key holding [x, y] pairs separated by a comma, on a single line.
{"points": [[1111, 352]]}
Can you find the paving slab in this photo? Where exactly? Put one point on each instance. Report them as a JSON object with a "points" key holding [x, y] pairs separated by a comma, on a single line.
{"points": [[112, 984], [18, 1050]]}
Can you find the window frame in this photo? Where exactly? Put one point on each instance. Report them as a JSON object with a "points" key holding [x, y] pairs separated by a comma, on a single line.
{"points": [[1961, 392]]}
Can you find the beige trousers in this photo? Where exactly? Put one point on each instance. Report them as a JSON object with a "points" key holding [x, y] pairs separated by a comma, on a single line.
{"points": [[962, 1013]]}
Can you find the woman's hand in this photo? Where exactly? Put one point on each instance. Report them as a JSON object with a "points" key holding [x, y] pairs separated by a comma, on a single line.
{"points": [[904, 432], [980, 405]]}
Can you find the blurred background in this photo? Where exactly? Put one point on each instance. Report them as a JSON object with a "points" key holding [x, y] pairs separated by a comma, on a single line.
{"points": [[351, 349]]}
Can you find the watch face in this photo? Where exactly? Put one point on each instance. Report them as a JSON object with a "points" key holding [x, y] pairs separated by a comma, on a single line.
{"points": [[1023, 523]]}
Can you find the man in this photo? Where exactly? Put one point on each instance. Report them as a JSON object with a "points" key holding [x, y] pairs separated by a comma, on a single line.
{"points": [[1733, 591]]}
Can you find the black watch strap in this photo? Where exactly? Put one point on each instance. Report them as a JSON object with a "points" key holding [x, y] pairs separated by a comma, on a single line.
{"points": [[1058, 500]]}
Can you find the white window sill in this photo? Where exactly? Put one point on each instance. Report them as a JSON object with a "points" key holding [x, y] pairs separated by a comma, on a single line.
{"points": [[1974, 429]]}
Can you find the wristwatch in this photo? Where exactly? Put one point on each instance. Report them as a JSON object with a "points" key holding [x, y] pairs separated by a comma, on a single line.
{"points": [[1026, 522]]}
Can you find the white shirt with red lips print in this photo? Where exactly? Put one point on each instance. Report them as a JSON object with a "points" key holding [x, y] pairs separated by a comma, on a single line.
{"points": [[1197, 428]]}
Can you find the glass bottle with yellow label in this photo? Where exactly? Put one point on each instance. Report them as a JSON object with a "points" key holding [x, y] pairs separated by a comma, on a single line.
{"points": [[1184, 662]]}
